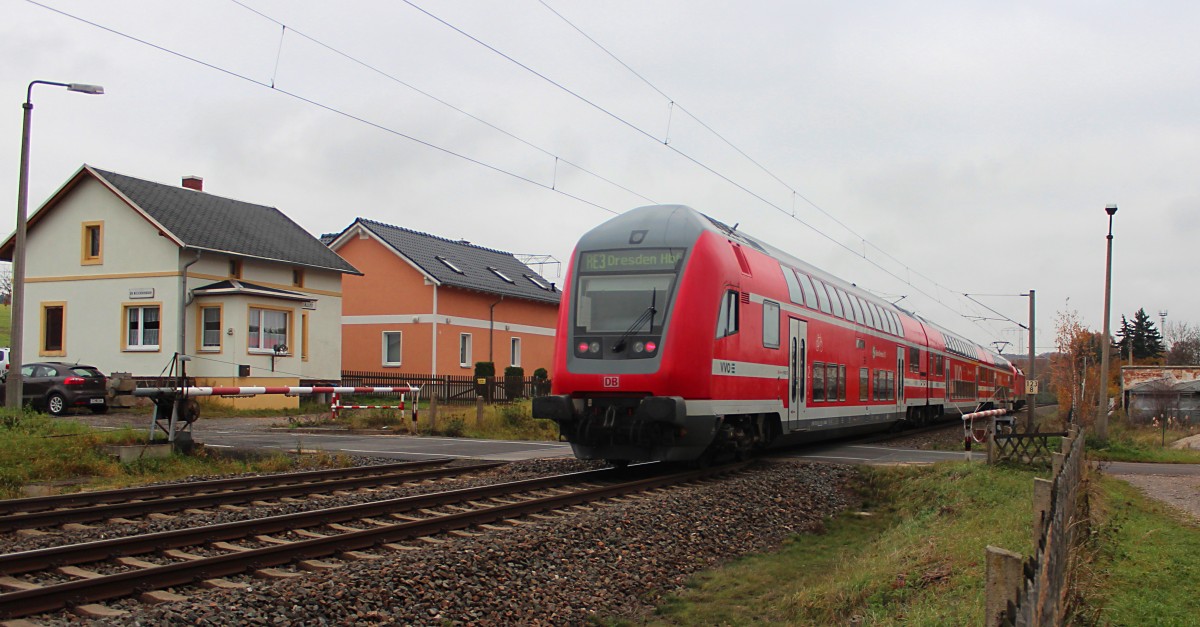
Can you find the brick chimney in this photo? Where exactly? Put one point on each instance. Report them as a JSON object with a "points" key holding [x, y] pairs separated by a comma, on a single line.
{"points": [[193, 182]]}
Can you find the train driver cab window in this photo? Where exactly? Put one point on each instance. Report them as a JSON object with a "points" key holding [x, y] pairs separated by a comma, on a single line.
{"points": [[770, 324], [727, 319]]}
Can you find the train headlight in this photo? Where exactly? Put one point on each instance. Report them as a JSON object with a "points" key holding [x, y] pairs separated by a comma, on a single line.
{"points": [[594, 348], [638, 347], [651, 347]]}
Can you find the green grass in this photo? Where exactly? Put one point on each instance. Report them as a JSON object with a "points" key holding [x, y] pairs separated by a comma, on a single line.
{"points": [[5, 325], [1149, 443], [913, 555], [1142, 563], [35, 448]]}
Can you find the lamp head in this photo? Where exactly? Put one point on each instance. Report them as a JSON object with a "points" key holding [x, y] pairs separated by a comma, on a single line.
{"points": [[1111, 209], [84, 88], [281, 349]]}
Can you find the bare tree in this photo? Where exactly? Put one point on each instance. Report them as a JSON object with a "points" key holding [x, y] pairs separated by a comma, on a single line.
{"points": [[6, 283], [1183, 341]]}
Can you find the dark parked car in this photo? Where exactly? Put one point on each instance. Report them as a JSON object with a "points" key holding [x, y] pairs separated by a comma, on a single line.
{"points": [[57, 387]]}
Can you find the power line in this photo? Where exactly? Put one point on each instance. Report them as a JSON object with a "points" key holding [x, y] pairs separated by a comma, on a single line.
{"points": [[326, 107], [696, 161]]}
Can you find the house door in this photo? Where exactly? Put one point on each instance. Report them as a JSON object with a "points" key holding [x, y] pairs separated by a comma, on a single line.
{"points": [[797, 372]]}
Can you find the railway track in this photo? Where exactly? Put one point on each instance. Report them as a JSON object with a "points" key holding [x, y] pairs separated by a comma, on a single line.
{"points": [[50, 511], [51, 579]]}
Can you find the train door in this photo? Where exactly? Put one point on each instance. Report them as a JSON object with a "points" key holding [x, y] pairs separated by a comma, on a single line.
{"points": [[900, 379], [797, 371]]}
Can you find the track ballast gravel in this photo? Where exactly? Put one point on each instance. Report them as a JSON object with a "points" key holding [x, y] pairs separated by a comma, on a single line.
{"points": [[617, 560]]}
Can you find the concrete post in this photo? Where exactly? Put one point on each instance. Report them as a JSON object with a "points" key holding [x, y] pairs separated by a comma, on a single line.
{"points": [[1004, 582], [991, 448], [1041, 508], [479, 411], [1056, 461]]}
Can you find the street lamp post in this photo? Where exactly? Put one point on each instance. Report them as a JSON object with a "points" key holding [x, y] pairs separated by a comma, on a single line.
{"points": [[1102, 410], [13, 389]]}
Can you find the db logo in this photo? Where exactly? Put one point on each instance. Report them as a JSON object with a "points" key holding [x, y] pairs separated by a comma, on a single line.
{"points": [[612, 382]]}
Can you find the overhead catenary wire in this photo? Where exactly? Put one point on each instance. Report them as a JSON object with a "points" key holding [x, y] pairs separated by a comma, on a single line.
{"points": [[553, 186], [673, 104], [326, 107]]}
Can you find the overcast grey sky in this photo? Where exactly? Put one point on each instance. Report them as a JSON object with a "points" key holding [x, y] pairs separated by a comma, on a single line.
{"points": [[968, 146]]}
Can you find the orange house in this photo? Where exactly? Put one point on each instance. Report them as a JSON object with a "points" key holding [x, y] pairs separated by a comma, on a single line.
{"points": [[430, 305]]}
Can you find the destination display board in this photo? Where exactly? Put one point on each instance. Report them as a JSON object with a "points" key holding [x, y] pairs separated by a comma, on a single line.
{"points": [[642, 259]]}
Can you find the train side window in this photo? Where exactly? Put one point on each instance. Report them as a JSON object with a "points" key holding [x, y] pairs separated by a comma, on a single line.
{"points": [[818, 384], [831, 382], [899, 324], [770, 324], [878, 317], [890, 322], [858, 312], [842, 383], [849, 311], [834, 302], [795, 294], [727, 319], [864, 383], [877, 388], [914, 359], [822, 296], [810, 293], [868, 317], [939, 365]]}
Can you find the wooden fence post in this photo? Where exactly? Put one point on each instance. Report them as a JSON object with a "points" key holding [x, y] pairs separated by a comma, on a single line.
{"points": [[1004, 582], [1041, 508]]}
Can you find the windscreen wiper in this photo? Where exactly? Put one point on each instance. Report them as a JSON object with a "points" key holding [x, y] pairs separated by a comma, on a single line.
{"points": [[647, 315]]}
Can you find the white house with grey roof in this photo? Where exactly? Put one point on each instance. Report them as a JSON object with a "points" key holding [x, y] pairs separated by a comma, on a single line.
{"points": [[124, 273]]}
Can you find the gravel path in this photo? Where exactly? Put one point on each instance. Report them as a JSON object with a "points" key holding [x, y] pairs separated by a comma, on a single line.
{"points": [[617, 560], [1181, 493]]}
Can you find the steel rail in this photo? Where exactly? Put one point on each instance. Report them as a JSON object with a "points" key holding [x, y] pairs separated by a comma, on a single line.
{"points": [[79, 499], [54, 597], [171, 504]]}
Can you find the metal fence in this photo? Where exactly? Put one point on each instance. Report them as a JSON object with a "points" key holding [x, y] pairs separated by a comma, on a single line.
{"points": [[454, 388], [1034, 592]]}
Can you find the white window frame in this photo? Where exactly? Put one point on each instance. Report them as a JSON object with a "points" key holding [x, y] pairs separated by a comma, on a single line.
{"points": [[139, 343], [215, 348], [514, 346], [399, 348], [255, 315], [464, 350]]}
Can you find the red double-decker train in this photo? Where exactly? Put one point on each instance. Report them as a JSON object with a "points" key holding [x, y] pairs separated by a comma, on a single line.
{"points": [[681, 338]]}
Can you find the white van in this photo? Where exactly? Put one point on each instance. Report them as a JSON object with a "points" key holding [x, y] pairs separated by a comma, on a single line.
{"points": [[3, 359]]}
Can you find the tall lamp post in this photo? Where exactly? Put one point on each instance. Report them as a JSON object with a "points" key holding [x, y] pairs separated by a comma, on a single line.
{"points": [[13, 389], [1102, 410]]}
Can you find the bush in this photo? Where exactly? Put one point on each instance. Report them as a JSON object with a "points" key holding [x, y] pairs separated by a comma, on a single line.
{"points": [[540, 373], [514, 415], [454, 427], [485, 369]]}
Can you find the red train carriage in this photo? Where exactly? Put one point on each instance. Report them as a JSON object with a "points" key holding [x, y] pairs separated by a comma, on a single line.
{"points": [[680, 337]]}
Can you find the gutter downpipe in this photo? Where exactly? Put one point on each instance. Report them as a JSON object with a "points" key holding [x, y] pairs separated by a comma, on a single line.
{"points": [[433, 357], [185, 299]]}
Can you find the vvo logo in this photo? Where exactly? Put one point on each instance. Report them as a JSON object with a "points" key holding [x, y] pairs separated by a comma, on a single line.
{"points": [[612, 382]]}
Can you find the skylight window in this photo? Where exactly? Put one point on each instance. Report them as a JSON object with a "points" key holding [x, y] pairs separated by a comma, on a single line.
{"points": [[536, 281], [500, 274], [449, 264]]}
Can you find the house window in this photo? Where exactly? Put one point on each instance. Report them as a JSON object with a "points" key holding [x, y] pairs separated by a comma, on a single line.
{"points": [[235, 268], [392, 346], [464, 350], [268, 328], [297, 277], [210, 328], [54, 331], [515, 345], [141, 327], [93, 243], [770, 324]]}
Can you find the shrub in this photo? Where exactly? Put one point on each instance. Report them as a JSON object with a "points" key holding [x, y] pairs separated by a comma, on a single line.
{"points": [[453, 427], [540, 373]]}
